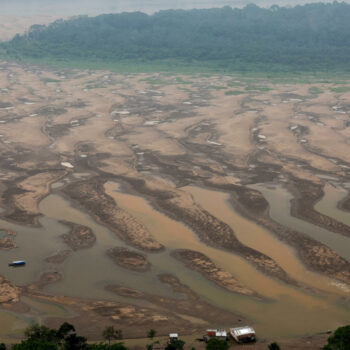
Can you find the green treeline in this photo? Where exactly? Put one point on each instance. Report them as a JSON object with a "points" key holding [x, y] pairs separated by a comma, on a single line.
{"points": [[309, 37], [39, 337]]}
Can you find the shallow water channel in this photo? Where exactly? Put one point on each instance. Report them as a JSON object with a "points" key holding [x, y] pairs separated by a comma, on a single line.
{"points": [[86, 272], [279, 200], [328, 203], [290, 312]]}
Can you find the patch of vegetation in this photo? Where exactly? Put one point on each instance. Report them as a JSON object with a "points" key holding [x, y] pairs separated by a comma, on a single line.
{"points": [[151, 333], [217, 344], [274, 346], [175, 345], [153, 80], [258, 88], [341, 89], [95, 86], [340, 340], [314, 90], [180, 80], [308, 38], [234, 83], [50, 80], [64, 338], [234, 92], [215, 87]]}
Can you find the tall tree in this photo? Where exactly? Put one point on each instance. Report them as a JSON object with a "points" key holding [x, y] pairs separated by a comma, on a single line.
{"points": [[109, 333], [340, 340], [151, 333]]}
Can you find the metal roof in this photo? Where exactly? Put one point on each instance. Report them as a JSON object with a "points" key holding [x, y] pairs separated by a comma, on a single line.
{"points": [[221, 334], [239, 331]]}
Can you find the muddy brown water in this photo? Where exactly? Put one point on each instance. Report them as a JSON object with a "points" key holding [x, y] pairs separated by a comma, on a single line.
{"points": [[33, 245], [292, 312], [86, 272], [279, 200], [12, 324], [259, 238]]}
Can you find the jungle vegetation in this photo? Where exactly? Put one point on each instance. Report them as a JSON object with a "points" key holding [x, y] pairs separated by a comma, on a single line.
{"points": [[312, 37]]}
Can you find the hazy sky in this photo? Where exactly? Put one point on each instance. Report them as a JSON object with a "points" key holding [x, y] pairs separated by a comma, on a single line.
{"points": [[75, 7]]}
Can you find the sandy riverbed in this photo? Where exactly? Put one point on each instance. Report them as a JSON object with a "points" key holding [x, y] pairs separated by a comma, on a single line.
{"points": [[119, 151]]}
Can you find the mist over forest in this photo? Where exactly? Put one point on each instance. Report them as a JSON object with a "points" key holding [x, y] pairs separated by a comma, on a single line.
{"points": [[79, 7], [310, 37]]}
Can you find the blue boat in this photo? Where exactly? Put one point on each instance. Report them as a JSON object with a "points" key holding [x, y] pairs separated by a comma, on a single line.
{"points": [[17, 263]]}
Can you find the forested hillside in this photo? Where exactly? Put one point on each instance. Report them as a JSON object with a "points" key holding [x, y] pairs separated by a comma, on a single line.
{"points": [[309, 37]]}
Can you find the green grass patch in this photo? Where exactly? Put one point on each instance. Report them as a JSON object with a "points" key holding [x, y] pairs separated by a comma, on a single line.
{"points": [[249, 74], [234, 93], [153, 80], [258, 88], [341, 89], [314, 90], [215, 87], [234, 83], [180, 80], [50, 80]]}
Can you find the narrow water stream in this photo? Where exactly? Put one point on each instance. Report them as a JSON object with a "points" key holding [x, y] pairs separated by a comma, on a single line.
{"points": [[279, 200], [328, 203]]}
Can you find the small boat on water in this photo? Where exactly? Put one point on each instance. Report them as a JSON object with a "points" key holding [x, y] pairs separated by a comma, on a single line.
{"points": [[17, 263]]}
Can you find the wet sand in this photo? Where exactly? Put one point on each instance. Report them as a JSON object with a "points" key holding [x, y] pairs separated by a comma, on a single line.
{"points": [[153, 164], [174, 235]]}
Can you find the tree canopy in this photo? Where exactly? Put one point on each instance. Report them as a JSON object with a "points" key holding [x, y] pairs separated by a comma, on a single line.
{"points": [[340, 340], [312, 36], [217, 344]]}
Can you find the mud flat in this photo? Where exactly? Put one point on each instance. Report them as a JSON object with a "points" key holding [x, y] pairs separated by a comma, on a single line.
{"points": [[201, 263], [44, 279], [222, 205], [306, 195], [8, 292], [192, 308], [80, 237], [90, 195], [113, 154], [174, 235], [317, 256], [129, 259], [211, 230], [92, 316], [7, 240], [59, 257], [22, 201], [332, 200]]}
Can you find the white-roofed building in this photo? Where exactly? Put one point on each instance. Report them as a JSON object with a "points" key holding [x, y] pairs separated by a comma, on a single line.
{"points": [[244, 334]]}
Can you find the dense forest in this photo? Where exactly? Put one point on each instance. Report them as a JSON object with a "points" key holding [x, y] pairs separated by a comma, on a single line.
{"points": [[304, 38]]}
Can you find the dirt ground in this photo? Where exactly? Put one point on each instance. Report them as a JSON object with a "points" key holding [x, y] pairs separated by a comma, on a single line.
{"points": [[70, 132]]}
